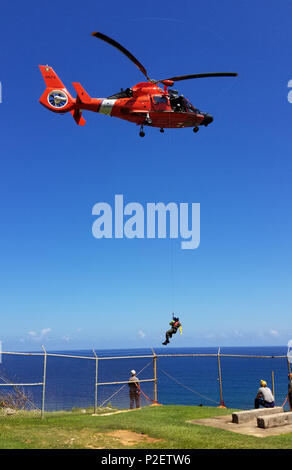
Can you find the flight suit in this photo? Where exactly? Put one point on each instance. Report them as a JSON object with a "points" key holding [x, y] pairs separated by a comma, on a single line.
{"points": [[174, 327]]}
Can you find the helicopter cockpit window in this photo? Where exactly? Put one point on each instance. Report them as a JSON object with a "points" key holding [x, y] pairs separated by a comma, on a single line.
{"points": [[160, 99]]}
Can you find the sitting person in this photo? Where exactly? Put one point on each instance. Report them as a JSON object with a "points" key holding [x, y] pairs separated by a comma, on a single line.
{"points": [[264, 396]]}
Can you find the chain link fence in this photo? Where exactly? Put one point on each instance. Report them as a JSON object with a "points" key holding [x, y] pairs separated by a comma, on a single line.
{"points": [[36, 383]]}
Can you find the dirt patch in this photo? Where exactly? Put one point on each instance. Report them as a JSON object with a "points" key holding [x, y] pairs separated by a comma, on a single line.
{"points": [[129, 438], [250, 428], [85, 438]]}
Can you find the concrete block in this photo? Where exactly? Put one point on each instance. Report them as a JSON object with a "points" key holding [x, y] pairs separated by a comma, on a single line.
{"points": [[9, 411], [273, 420], [248, 415]]}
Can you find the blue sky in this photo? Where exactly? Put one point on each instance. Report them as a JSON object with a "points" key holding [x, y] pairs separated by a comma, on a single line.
{"points": [[61, 287]]}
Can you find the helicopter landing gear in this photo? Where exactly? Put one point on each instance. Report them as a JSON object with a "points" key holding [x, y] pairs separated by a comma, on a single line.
{"points": [[196, 129], [162, 130], [141, 133]]}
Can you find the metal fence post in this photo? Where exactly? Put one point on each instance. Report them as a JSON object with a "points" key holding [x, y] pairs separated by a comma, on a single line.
{"points": [[220, 379], [44, 383], [289, 371], [95, 384], [155, 376], [289, 366]]}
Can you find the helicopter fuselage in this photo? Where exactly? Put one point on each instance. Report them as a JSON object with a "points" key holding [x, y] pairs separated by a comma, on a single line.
{"points": [[149, 104], [144, 104]]}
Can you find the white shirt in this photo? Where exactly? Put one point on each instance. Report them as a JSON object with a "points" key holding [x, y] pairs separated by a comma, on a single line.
{"points": [[266, 393]]}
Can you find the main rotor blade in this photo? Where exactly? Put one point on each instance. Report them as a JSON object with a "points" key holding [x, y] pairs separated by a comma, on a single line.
{"points": [[199, 75], [128, 54]]}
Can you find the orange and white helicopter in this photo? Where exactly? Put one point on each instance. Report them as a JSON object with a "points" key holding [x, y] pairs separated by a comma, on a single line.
{"points": [[144, 104]]}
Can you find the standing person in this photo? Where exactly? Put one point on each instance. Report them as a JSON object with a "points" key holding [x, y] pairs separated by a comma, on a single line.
{"points": [[134, 390], [264, 396], [290, 390], [175, 325]]}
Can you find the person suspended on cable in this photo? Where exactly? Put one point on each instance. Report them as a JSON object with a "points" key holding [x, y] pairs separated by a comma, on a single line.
{"points": [[175, 325]]}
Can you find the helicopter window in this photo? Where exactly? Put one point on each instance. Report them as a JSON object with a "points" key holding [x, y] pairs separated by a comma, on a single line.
{"points": [[160, 99]]}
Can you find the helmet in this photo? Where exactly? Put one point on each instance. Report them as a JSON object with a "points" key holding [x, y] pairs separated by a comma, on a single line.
{"points": [[133, 372], [263, 383]]}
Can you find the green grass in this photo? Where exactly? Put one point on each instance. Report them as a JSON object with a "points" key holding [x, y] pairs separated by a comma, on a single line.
{"points": [[167, 424]]}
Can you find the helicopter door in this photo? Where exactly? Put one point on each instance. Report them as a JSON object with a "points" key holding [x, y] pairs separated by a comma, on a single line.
{"points": [[160, 103], [179, 104]]}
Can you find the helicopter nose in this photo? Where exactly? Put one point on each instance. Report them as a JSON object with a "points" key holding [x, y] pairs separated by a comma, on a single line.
{"points": [[207, 119]]}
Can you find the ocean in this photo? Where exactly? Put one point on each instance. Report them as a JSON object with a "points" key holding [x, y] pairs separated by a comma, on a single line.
{"points": [[70, 382]]}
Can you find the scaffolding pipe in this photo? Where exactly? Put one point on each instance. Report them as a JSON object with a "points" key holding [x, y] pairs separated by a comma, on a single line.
{"points": [[124, 382], [95, 384], [220, 379], [155, 390], [126, 357], [273, 384], [144, 356], [289, 366], [20, 385], [44, 383]]}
